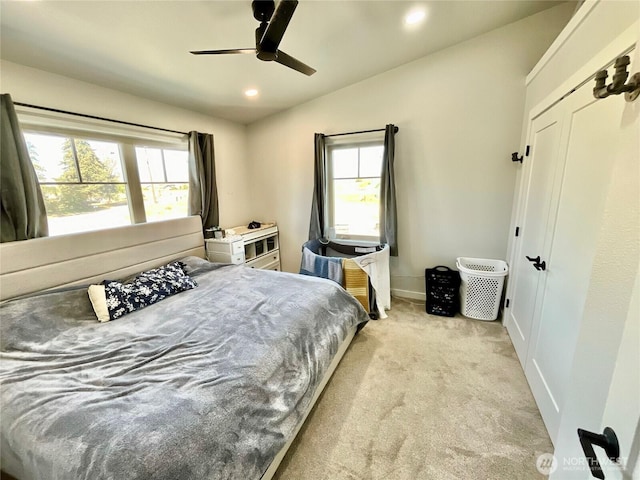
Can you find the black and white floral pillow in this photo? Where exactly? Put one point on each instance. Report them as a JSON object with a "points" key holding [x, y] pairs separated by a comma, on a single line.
{"points": [[113, 299]]}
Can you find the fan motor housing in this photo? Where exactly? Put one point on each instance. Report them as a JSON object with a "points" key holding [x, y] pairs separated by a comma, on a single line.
{"points": [[261, 53], [263, 9]]}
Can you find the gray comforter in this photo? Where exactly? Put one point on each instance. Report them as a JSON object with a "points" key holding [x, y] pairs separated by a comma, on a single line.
{"points": [[207, 384]]}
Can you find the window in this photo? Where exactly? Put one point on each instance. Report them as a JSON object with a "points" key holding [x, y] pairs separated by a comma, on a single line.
{"points": [[87, 182], [164, 177], [354, 190]]}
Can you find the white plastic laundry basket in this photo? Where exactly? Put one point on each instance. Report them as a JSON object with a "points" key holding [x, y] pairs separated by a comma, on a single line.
{"points": [[481, 286]]}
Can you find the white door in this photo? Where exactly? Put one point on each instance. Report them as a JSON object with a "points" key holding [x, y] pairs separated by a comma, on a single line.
{"points": [[592, 133], [540, 168], [604, 385], [582, 358], [621, 412]]}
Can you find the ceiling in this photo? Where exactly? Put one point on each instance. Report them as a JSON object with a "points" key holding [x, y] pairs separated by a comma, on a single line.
{"points": [[142, 47]]}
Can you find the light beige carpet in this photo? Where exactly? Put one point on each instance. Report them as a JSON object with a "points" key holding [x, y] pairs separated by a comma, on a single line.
{"points": [[422, 397]]}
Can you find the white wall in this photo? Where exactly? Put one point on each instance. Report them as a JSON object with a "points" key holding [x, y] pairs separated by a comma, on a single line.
{"points": [[623, 401], [459, 113], [28, 85]]}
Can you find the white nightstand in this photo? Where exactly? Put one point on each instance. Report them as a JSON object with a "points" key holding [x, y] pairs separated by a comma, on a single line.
{"points": [[225, 250]]}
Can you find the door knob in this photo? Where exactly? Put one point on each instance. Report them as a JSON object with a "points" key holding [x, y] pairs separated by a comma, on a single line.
{"points": [[607, 440], [537, 264]]}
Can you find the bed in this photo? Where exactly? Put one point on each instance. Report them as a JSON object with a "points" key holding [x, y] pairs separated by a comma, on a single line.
{"points": [[213, 382]]}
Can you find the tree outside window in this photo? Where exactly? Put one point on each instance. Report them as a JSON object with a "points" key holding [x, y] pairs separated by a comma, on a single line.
{"points": [[86, 183], [84, 186]]}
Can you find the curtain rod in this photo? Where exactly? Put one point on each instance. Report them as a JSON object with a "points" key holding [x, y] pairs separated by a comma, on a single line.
{"points": [[395, 130], [98, 118]]}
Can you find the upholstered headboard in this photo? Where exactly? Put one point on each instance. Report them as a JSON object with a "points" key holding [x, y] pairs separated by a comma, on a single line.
{"points": [[43, 263]]}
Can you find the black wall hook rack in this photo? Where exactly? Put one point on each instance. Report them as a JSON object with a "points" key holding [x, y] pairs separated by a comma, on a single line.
{"points": [[619, 81]]}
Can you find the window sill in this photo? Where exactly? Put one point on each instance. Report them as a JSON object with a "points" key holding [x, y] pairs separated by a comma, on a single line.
{"points": [[364, 242]]}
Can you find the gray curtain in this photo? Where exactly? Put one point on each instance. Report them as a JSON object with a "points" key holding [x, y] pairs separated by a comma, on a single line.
{"points": [[23, 211], [203, 191], [388, 215], [319, 206]]}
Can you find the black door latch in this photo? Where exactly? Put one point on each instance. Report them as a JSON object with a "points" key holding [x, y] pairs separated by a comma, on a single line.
{"points": [[537, 264], [607, 440]]}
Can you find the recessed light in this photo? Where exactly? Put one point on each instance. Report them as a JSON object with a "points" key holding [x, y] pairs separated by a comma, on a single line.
{"points": [[415, 17], [252, 92]]}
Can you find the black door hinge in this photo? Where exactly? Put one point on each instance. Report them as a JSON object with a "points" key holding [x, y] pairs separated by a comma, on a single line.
{"points": [[506, 305], [527, 150], [516, 158], [517, 231]]}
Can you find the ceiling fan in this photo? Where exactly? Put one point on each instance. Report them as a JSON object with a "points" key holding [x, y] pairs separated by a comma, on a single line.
{"points": [[273, 23]]}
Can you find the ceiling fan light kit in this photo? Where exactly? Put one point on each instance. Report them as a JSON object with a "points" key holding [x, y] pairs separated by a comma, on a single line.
{"points": [[273, 24]]}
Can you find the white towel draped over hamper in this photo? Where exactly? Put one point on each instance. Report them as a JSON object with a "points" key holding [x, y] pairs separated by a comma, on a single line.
{"points": [[373, 259]]}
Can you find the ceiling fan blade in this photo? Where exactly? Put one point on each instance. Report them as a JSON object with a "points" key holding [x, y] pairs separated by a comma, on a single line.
{"points": [[288, 61], [223, 52], [277, 25]]}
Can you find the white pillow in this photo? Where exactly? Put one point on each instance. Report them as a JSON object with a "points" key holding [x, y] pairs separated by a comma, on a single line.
{"points": [[98, 297]]}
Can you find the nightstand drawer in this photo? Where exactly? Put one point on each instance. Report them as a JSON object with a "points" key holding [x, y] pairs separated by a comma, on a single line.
{"points": [[227, 246], [266, 260], [236, 259], [237, 247]]}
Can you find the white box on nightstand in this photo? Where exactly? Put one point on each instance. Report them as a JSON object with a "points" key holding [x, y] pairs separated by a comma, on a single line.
{"points": [[225, 250]]}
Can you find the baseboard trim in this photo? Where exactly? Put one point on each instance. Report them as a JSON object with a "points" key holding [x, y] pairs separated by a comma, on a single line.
{"points": [[396, 292]]}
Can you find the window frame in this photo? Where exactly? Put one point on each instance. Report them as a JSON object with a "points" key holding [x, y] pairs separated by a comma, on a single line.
{"points": [[140, 183], [127, 141], [329, 149]]}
